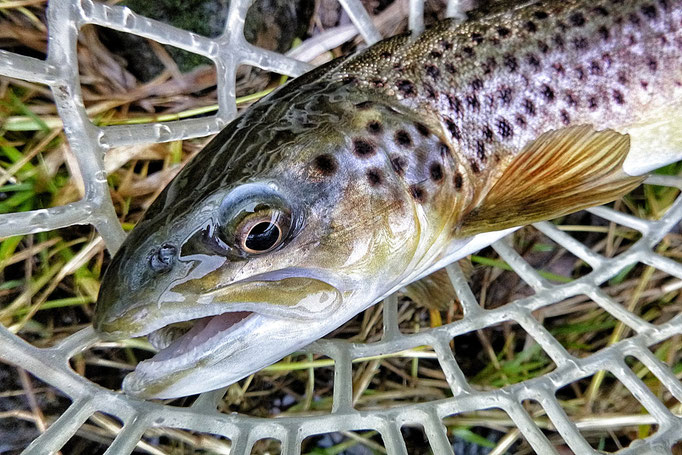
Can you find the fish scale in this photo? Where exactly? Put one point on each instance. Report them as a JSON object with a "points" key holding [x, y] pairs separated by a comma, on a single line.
{"points": [[497, 83], [375, 170]]}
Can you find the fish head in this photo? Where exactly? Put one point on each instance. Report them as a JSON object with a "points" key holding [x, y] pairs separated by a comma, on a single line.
{"points": [[268, 239]]}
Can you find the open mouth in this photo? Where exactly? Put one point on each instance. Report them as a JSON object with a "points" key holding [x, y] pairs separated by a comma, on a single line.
{"points": [[187, 340]]}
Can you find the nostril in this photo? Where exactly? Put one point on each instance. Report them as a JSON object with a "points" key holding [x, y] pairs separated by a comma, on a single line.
{"points": [[162, 260]]}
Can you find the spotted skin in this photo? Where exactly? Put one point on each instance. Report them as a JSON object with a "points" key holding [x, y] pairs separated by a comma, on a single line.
{"points": [[379, 159], [425, 120]]}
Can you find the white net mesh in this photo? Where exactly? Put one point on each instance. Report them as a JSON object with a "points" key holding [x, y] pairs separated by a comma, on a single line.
{"points": [[89, 144]]}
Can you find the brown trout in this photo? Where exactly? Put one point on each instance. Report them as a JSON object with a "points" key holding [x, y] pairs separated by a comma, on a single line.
{"points": [[377, 169]]}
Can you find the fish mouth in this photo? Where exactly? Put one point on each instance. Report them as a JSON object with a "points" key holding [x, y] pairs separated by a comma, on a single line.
{"points": [[184, 347], [182, 338], [198, 329]]}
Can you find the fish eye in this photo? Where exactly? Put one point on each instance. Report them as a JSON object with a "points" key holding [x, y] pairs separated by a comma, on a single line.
{"points": [[260, 234], [254, 220]]}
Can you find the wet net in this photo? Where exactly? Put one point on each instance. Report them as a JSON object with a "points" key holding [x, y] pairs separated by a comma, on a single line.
{"points": [[529, 409]]}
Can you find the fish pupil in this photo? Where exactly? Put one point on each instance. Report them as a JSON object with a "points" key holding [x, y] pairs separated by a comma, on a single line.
{"points": [[262, 237]]}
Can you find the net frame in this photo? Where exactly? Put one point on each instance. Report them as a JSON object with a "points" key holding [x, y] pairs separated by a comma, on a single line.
{"points": [[89, 144]]}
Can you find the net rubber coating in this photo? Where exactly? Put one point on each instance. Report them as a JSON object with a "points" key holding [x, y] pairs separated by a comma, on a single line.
{"points": [[89, 144]]}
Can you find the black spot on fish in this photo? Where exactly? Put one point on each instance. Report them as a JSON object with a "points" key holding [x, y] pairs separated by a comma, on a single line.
{"points": [[374, 127], [406, 87], [510, 63], [349, 80], [529, 107], [423, 129], [570, 100], [430, 91], [403, 138], [604, 33], [595, 68], [444, 150], [559, 68], [469, 51], [458, 180], [455, 103], [504, 129], [363, 148], [453, 128], [565, 118], [577, 19], [418, 193], [480, 151], [489, 65], [476, 84], [385, 54], [450, 68], [601, 11], [375, 177], [436, 171], [472, 102], [580, 72], [580, 43], [503, 32], [531, 27], [547, 93], [435, 54], [634, 19], [377, 82], [592, 103], [477, 38], [398, 163], [445, 44], [541, 15], [623, 79], [505, 94], [521, 121], [533, 61], [618, 97], [487, 134], [325, 164], [559, 41], [544, 48], [432, 71], [653, 64], [474, 166]]}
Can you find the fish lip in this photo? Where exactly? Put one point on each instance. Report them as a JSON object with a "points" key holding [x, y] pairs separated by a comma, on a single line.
{"points": [[190, 307], [200, 311]]}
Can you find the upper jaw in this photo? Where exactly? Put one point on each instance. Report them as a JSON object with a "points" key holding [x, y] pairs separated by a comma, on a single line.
{"points": [[310, 294]]}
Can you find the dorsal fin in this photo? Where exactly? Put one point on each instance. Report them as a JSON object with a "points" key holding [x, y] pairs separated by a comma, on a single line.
{"points": [[560, 172]]}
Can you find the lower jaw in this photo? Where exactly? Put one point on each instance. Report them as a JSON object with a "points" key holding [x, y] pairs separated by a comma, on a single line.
{"points": [[178, 340]]}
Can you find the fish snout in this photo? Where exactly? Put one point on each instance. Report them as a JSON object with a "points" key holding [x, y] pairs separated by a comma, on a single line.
{"points": [[128, 283]]}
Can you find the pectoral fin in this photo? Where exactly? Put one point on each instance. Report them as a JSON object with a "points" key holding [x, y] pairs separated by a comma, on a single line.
{"points": [[434, 291], [561, 172]]}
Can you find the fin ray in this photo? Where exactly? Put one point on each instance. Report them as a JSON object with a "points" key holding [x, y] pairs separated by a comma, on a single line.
{"points": [[561, 172]]}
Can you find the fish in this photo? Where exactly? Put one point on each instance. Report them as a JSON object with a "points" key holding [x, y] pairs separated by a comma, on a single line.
{"points": [[377, 169]]}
